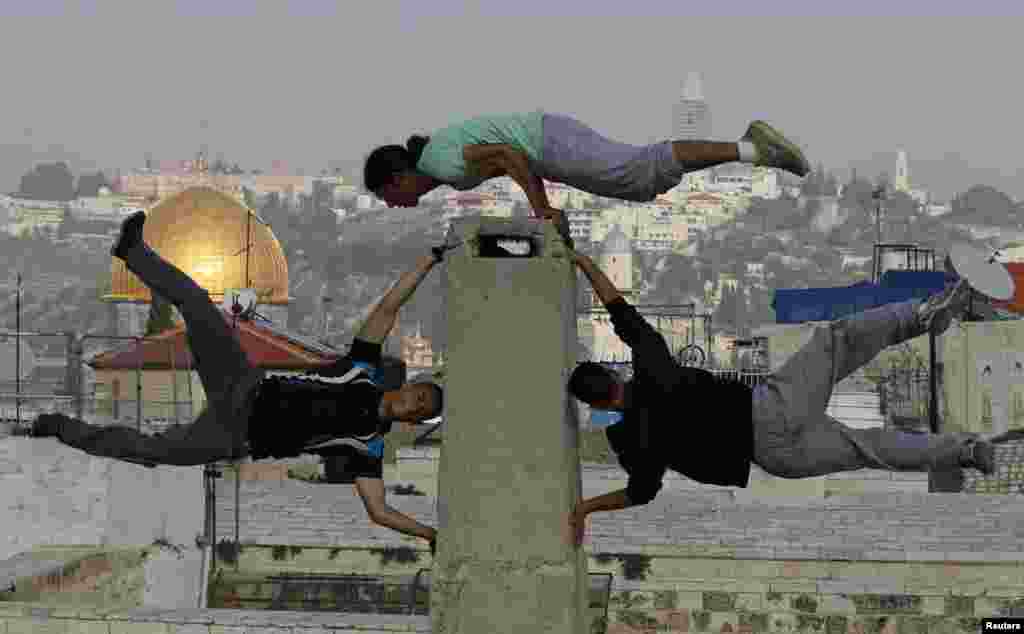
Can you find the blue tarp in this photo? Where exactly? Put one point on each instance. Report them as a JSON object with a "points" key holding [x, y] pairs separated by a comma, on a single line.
{"points": [[798, 305], [600, 418]]}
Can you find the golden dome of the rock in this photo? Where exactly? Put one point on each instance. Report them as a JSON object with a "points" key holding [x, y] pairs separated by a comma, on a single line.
{"points": [[203, 232]]}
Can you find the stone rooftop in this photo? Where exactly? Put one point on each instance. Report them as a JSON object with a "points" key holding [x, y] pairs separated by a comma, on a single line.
{"points": [[887, 526]]}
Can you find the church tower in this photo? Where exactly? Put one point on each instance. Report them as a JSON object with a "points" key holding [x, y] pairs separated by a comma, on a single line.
{"points": [[902, 181]]}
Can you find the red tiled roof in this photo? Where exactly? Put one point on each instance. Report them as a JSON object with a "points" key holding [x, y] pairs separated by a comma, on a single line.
{"points": [[265, 349], [1016, 304]]}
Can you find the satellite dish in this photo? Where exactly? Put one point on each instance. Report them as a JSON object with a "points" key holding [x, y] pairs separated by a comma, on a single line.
{"points": [[239, 299], [982, 271]]}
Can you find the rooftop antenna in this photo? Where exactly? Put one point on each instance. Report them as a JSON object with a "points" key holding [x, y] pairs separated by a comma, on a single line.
{"points": [[248, 312], [204, 126]]}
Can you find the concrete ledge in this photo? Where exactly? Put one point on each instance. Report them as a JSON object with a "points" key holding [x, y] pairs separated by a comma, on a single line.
{"points": [[30, 565], [212, 620]]}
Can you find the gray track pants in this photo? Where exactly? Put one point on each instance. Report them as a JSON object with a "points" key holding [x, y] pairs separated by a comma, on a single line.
{"points": [[795, 438]]}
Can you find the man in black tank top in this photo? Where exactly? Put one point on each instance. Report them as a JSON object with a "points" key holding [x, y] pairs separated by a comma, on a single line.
{"points": [[342, 411]]}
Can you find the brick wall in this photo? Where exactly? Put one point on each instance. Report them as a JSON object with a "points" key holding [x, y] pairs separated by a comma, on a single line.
{"points": [[1009, 475], [708, 555]]}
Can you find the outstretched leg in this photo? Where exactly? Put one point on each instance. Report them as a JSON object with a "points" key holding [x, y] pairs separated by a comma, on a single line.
{"points": [[844, 346], [201, 442], [794, 437], [220, 361], [789, 448], [835, 351], [577, 155], [228, 378], [761, 145]]}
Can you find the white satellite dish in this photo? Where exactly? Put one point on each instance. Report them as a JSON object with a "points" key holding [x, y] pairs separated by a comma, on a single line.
{"points": [[246, 298], [983, 271]]}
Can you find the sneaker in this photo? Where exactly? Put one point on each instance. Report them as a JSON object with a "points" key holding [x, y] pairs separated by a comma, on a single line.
{"points": [[131, 234], [775, 150], [939, 310], [981, 455], [45, 426]]}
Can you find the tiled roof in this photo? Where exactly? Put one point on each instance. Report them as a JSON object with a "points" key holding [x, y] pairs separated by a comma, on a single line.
{"points": [[268, 346]]}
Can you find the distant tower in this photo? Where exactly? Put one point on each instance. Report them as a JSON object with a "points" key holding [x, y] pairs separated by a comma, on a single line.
{"points": [[690, 117], [902, 180], [617, 260]]}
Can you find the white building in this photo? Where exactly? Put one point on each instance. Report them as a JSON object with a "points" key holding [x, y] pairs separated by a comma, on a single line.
{"points": [[730, 178], [581, 223], [691, 119]]}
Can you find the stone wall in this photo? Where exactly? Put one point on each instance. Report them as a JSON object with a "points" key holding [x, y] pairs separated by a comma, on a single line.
{"points": [[704, 557], [28, 619], [693, 560], [1009, 475]]}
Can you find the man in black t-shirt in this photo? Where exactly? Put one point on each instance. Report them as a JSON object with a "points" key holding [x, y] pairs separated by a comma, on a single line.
{"points": [[343, 410], [711, 429]]}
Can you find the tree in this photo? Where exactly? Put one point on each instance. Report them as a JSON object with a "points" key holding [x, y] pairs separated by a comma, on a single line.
{"points": [[857, 196], [768, 215], [899, 205], [761, 311], [161, 317], [732, 309], [48, 181], [982, 204], [89, 184], [67, 224]]}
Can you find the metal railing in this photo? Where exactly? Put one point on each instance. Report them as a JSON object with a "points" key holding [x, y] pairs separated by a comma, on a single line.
{"points": [[904, 397], [388, 594], [51, 377]]}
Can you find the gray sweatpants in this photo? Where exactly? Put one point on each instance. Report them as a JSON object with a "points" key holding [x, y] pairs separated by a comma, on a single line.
{"points": [[576, 155], [220, 431], [795, 438]]}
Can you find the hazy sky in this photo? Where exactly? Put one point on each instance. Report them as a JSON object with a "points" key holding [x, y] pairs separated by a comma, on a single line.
{"points": [[100, 84]]}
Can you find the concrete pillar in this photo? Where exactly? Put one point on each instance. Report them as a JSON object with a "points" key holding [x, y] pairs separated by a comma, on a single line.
{"points": [[509, 470]]}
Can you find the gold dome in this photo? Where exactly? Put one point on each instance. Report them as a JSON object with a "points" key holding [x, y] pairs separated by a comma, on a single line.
{"points": [[202, 231]]}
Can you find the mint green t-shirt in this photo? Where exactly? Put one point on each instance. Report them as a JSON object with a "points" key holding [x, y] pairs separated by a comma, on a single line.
{"points": [[442, 156]]}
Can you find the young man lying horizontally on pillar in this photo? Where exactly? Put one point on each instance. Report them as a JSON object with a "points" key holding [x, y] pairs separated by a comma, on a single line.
{"points": [[710, 429], [249, 414]]}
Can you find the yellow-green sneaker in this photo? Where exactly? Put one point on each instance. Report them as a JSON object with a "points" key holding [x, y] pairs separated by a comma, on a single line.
{"points": [[775, 150]]}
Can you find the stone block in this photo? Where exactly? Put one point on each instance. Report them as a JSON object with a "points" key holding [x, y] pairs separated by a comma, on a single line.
{"points": [[933, 605], [788, 586], [836, 604], [13, 609], [749, 601], [689, 600], [134, 627], [29, 625], [674, 619], [723, 622], [78, 626]]}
